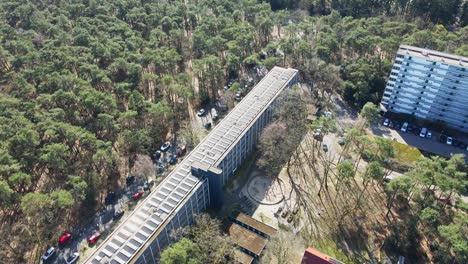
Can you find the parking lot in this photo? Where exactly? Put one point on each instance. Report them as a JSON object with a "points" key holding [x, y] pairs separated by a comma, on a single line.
{"points": [[436, 144]]}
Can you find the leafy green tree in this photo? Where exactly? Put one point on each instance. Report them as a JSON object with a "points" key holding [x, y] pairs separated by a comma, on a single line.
{"points": [[430, 216], [370, 114], [182, 252]]}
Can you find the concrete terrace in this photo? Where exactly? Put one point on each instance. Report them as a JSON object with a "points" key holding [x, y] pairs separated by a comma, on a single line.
{"points": [[130, 238]]}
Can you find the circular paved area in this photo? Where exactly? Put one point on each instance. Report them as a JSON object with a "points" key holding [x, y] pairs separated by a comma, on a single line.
{"points": [[265, 190]]}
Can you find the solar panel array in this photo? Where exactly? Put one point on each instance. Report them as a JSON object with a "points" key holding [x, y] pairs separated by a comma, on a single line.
{"points": [[128, 238]]}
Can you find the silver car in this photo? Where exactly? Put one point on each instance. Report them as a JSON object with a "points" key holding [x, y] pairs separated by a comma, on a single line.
{"points": [[73, 258], [48, 254]]}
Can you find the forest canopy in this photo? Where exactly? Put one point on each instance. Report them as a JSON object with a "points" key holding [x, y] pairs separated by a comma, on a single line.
{"points": [[86, 85]]}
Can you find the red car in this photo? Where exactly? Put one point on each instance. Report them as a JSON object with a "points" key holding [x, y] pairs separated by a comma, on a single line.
{"points": [[93, 239], [137, 195], [64, 238]]}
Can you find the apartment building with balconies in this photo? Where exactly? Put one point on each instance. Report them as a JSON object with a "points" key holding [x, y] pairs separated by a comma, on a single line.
{"points": [[430, 85]]}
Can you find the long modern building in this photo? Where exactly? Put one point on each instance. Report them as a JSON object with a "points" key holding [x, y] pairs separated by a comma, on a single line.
{"points": [[429, 85], [196, 183]]}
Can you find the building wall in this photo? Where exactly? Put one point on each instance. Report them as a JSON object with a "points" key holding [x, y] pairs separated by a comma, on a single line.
{"points": [[428, 89]]}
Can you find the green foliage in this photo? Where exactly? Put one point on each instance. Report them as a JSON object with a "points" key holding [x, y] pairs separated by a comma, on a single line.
{"points": [[182, 252], [370, 113], [86, 83], [430, 216]]}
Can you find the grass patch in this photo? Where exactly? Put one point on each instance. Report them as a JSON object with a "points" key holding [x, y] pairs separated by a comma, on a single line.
{"points": [[283, 227], [265, 219], [331, 249], [405, 154]]}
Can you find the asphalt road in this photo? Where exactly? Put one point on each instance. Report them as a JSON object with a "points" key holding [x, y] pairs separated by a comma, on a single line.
{"points": [[431, 145], [101, 222]]}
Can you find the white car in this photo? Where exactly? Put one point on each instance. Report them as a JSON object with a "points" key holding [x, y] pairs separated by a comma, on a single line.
{"points": [[327, 114], [48, 254], [201, 112], [404, 127], [165, 147], [73, 258], [429, 134], [449, 140], [423, 132], [386, 122]]}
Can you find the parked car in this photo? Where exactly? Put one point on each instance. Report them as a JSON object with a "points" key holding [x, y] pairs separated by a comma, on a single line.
{"points": [[386, 122], [404, 127], [64, 238], [201, 112], [278, 211], [449, 141], [72, 258], [285, 213], [172, 159], [423, 132], [48, 254], [207, 125], [181, 151], [166, 146], [130, 179], [290, 218], [442, 138], [157, 155], [110, 198], [137, 195], [160, 168], [148, 184], [445, 200], [214, 114], [238, 97], [118, 214], [397, 126], [327, 114], [325, 147], [342, 141], [429, 134], [94, 238]]}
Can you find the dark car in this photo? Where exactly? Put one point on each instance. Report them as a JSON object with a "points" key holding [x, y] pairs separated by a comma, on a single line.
{"points": [[172, 159], [443, 138], [208, 125], [325, 147], [181, 151], [157, 155], [165, 147], [110, 198], [130, 179], [118, 214]]}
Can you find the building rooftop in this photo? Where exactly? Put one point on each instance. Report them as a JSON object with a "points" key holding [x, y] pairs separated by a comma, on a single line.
{"points": [[161, 204], [247, 239], [313, 256], [242, 258], [270, 231], [432, 55]]}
